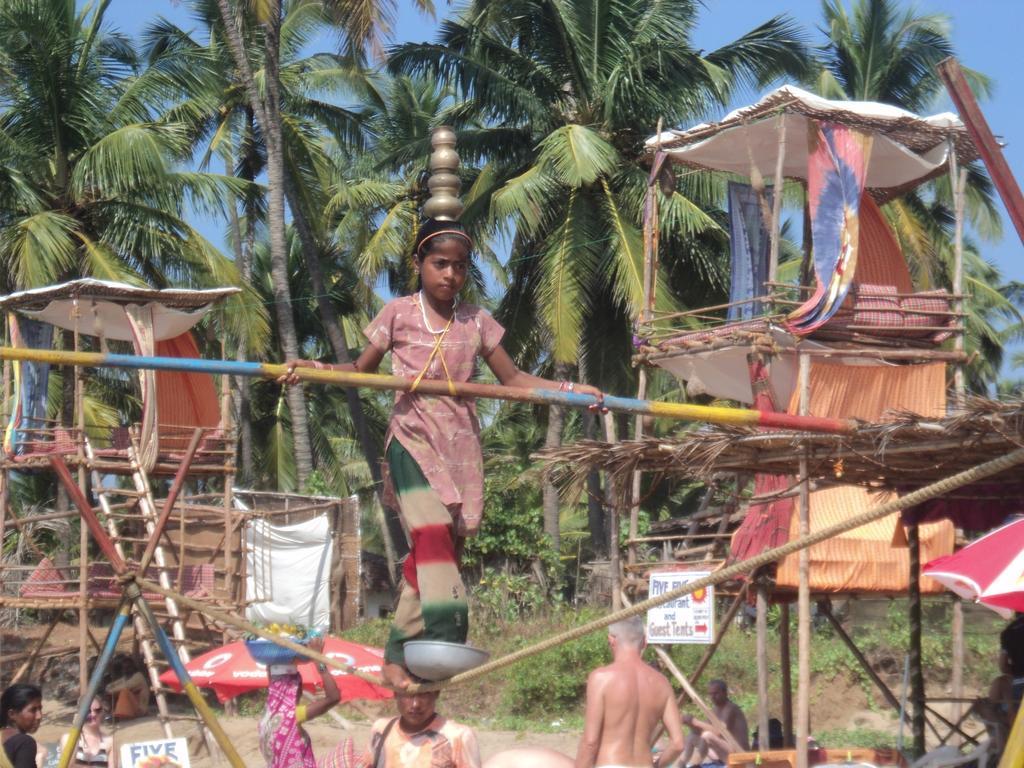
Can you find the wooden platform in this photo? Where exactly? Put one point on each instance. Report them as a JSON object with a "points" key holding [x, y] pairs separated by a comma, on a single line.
{"points": [[786, 758]]}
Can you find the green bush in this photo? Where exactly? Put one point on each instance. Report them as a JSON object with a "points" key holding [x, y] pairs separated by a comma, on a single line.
{"points": [[505, 597], [554, 682]]}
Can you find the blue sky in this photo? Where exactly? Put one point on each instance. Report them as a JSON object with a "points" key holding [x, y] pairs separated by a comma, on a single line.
{"points": [[986, 34]]}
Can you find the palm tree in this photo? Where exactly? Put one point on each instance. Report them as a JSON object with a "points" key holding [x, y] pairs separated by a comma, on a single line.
{"points": [[881, 52], [362, 22], [222, 120], [266, 106], [558, 96], [89, 178]]}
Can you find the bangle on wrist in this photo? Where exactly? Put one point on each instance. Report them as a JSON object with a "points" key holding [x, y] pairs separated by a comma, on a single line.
{"points": [[566, 386]]}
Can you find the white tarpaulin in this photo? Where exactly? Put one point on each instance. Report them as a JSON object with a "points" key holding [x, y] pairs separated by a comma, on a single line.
{"points": [[725, 372], [97, 307], [751, 135], [288, 572]]}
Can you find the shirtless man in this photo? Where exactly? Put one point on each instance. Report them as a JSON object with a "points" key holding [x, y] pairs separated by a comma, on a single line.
{"points": [[625, 702], [709, 745]]}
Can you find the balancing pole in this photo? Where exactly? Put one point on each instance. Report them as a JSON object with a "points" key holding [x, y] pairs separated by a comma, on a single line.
{"points": [[679, 411]]}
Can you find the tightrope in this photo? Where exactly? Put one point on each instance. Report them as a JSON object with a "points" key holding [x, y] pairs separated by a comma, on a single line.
{"points": [[939, 488], [913, 498]]}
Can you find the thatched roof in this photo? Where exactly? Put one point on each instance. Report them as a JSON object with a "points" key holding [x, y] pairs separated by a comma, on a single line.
{"points": [[904, 452]]}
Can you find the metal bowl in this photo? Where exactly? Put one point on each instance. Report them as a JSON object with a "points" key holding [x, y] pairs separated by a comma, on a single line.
{"points": [[437, 660]]}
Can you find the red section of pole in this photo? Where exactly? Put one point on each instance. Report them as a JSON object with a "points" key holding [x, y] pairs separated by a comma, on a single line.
{"points": [[88, 516], [172, 495], [984, 140]]}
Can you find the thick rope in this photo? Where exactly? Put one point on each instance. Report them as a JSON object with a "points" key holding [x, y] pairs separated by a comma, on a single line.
{"points": [[227, 618], [914, 498], [968, 476]]}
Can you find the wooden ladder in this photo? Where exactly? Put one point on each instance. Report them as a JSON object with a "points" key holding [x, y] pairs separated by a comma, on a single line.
{"points": [[144, 503]]}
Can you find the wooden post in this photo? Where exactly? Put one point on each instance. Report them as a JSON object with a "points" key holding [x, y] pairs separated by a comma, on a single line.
{"points": [[4, 496], [803, 698], [957, 681], [229, 477], [787, 676], [914, 617], [5, 409], [635, 490], [984, 141], [958, 183], [83, 531], [646, 312], [612, 500], [762, 661], [780, 159]]}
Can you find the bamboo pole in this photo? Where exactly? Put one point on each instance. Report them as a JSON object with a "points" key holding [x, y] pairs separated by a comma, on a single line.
{"points": [[787, 676], [762, 661], [917, 695], [1013, 755], [83, 533], [803, 698], [27, 664], [651, 226], [679, 411], [986, 144], [779, 183], [612, 502], [958, 182], [956, 683]]}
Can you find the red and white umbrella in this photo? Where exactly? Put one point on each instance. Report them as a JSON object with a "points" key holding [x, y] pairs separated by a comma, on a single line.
{"points": [[230, 671], [989, 570]]}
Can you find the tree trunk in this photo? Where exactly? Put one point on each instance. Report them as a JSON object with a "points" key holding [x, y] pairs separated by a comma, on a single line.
{"points": [[243, 258], [268, 114], [332, 324]]}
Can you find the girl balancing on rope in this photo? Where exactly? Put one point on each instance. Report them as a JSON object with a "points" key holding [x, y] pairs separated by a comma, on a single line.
{"points": [[433, 443]]}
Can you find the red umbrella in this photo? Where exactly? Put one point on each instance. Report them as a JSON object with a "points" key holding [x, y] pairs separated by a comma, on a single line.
{"points": [[230, 670], [989, 570]]}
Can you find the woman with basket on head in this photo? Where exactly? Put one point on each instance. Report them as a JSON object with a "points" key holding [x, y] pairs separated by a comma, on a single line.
{"points": [[283, 742], [433, 443]]}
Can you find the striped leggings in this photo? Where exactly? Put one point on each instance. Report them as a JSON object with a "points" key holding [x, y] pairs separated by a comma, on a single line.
{"points": [[432, 603]]}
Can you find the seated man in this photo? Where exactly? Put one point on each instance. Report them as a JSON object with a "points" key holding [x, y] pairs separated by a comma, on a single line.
{"points": [[625, 702], [708, 745], [420, 738], [129, 687]]}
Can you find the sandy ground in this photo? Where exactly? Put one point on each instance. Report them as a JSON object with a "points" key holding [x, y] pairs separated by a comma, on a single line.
{"points": [[325, 732]]}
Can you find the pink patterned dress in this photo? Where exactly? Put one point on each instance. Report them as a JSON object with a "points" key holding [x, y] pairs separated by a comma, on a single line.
{"points": [[441, 433], [283, 743]]}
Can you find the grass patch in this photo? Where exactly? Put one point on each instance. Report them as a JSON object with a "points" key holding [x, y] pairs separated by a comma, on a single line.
{"points": [[545, 693]]}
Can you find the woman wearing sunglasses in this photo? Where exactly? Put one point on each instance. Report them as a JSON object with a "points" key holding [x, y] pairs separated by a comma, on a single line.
{"points": [[95, 747]]}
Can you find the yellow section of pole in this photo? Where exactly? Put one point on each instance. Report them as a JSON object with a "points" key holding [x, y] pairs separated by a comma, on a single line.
{"points": [[1013, 755]]}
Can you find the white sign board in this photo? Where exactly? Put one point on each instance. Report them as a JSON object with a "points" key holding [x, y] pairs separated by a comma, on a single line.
{"points": [[688, 619], [168, 753]]}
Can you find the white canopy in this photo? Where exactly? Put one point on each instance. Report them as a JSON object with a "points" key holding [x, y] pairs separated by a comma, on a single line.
{"points": [[907, 148], [97, 307], [725, 372]]}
